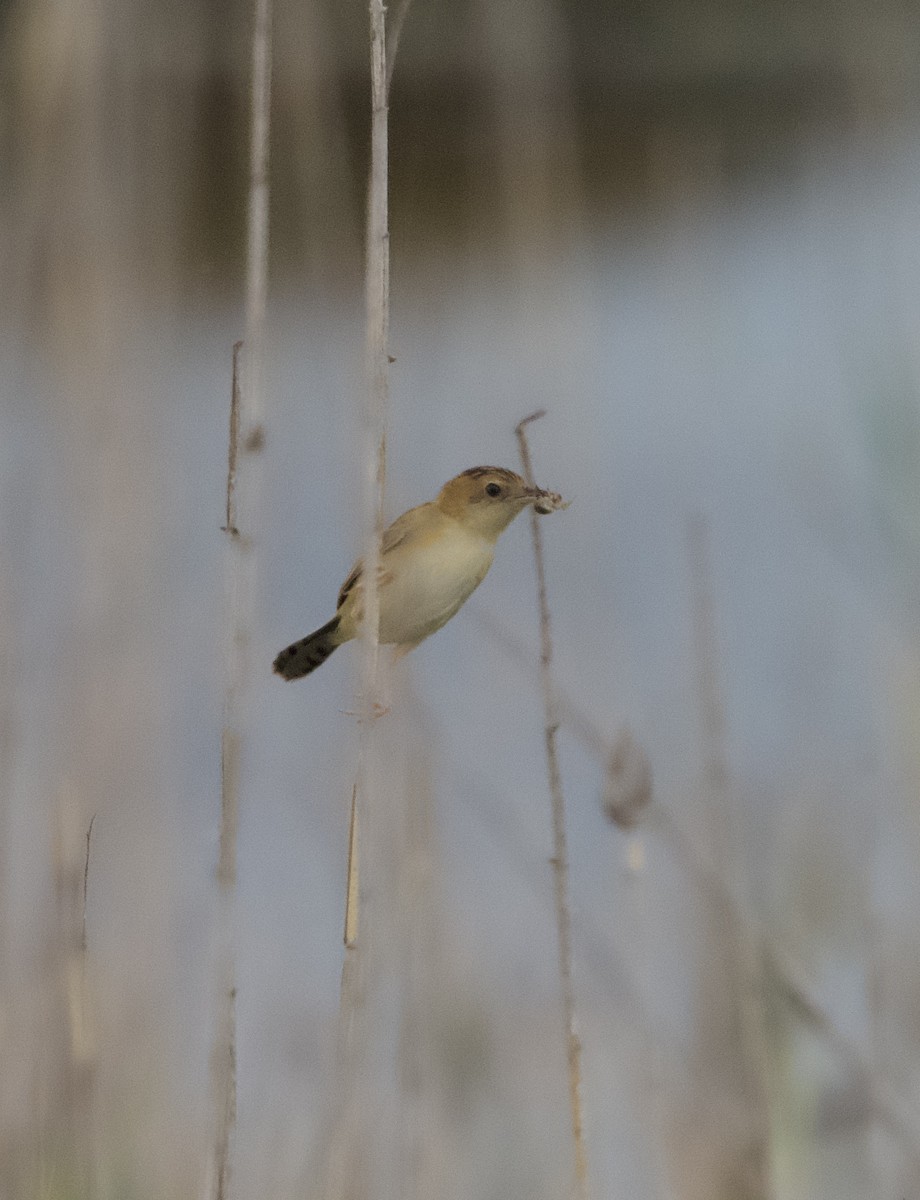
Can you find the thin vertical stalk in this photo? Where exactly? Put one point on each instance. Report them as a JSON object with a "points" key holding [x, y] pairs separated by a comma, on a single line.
{"points": [[257, 227], [223, 1053], [374, 427], [233, 444], [771, 959], [377, 300], [377, 303], [424, 1146], [650, 1074], [72, 1106], [11, 1181], [247, 410], [347, 1153], [560, 850], [377, 359], [745, 976], [84, 940], [352, 875]]}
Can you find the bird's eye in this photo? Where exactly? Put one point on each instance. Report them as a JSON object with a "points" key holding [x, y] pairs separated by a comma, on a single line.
{"points": [[493, 489]]}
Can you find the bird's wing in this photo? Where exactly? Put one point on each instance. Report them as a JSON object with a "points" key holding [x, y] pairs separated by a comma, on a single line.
{"points": [[394, 535]]}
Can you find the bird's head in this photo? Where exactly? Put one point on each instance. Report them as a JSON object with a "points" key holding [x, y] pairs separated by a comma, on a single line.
{"points": [[487, 499]]}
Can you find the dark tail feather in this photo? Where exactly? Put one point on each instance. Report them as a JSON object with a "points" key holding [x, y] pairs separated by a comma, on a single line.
{"points": [[300, 658]]}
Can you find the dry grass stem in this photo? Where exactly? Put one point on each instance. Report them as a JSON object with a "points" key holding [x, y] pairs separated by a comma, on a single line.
{"points": [[560, 851], [422, 966], [571, 714], [257, 226], [9, 670], [650, 1072], [89, 838], [346, 1157], [233, 444], [744, 977], [230, 746], [247, 407], [65, 1115], [223, 1052], [377, 302], [87, 1038], [893, 1112], [353, 875], [793, 979], [224, 1068]]}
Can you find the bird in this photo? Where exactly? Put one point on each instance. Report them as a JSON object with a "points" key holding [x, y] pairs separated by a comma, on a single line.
{"points": [[432, 559]]}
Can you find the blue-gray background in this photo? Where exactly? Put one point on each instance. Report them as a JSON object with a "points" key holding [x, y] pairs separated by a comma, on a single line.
{"points": [[691, 233]]}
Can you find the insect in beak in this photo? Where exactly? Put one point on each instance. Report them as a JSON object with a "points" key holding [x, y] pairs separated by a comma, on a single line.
{"points": [[546, 502]]}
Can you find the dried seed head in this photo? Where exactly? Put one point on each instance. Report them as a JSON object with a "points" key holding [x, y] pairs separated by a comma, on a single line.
{"points": [[628, 783]]}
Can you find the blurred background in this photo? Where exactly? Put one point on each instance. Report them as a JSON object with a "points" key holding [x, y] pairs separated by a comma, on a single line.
{"points": [[691, 232]]}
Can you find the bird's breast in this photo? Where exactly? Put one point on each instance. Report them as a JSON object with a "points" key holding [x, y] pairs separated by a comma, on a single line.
{"points": [[428, 581]]}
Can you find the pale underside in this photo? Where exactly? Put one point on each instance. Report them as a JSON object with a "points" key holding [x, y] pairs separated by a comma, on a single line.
{"points": [[424, 578]]}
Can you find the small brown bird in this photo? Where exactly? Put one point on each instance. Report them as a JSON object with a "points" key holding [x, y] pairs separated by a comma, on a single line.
{"points": [[432, 559]]}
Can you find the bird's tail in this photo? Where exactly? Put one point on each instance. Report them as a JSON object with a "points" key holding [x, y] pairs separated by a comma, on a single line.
{"points": [[300, 658]]}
